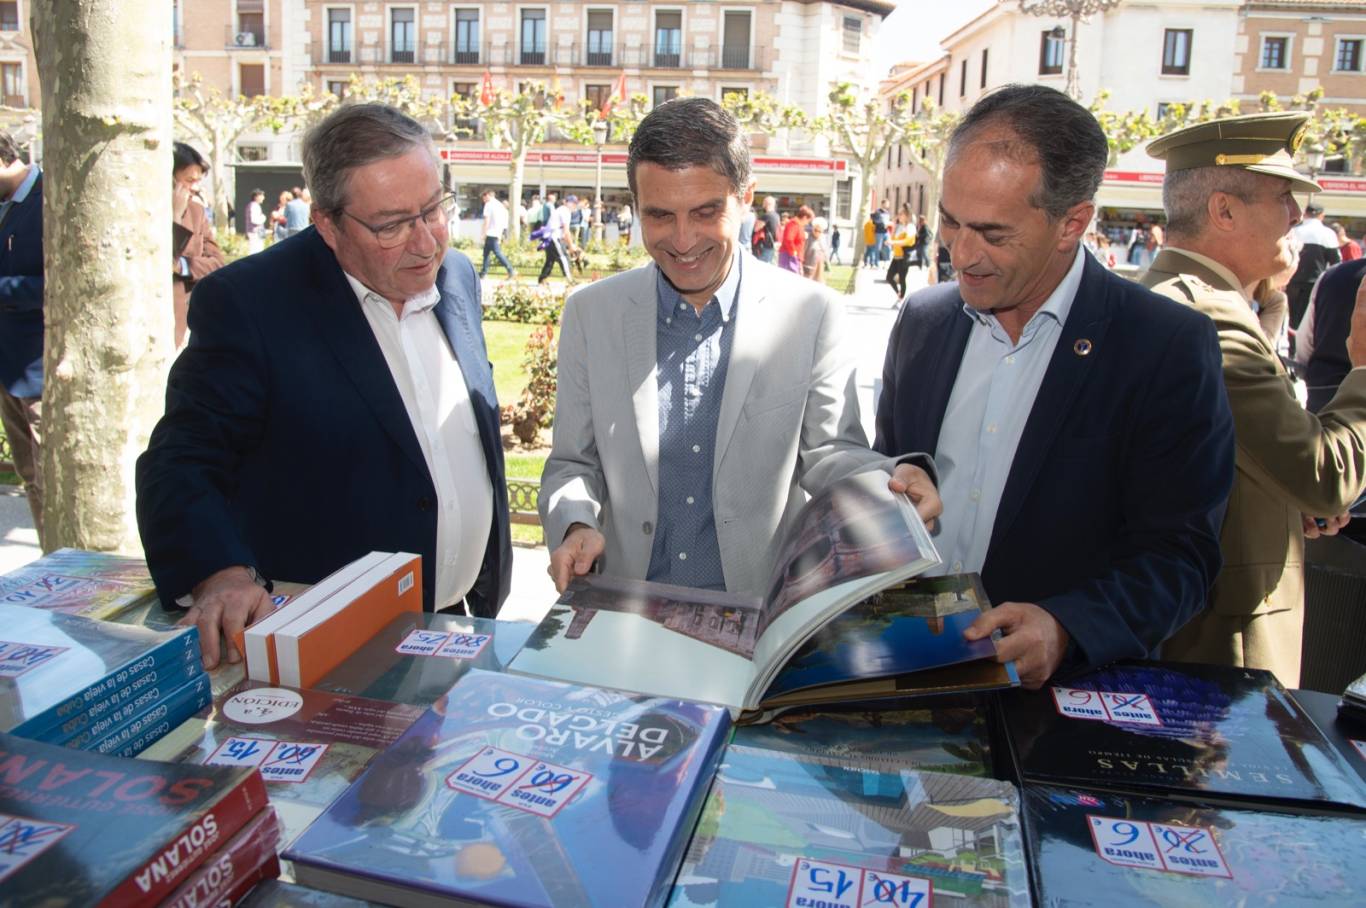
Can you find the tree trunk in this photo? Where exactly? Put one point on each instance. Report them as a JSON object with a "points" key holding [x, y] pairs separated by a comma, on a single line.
{"points": [[106, 89], [864, 203], [518, 167]]}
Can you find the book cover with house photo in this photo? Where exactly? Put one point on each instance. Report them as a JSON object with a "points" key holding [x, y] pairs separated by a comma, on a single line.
{"points": [[851, 540]]}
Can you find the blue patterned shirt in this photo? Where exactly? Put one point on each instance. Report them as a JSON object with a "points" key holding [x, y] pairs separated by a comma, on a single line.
{"points": [[691, 355]]}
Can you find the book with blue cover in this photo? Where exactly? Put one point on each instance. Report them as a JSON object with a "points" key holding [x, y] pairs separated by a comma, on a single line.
{"points": [[77, 582], [1127, 851], [780, 829], [418, 656], [518, 791], [56, 668]]}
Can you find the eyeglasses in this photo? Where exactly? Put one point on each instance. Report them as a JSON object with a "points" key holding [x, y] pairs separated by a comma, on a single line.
{"points": [[396, 233]]}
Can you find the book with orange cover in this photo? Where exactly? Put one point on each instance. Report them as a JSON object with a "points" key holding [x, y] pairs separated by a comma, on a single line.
{"points": [[317, 641]]}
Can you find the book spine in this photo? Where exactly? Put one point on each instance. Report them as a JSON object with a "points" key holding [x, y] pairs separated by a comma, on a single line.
{"points": [[182, 855], [246, 860], [183, 649], [141, 731], [101, 717]]}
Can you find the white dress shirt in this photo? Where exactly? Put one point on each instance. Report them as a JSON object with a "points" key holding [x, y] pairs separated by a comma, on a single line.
{"points": [[434, 393]]}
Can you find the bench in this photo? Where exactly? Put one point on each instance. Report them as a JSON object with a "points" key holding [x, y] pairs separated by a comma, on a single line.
{"points": [[523, 495]]}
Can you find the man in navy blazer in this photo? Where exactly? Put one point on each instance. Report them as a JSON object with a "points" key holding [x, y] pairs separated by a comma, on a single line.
{"points": [[21, 318], [1079, 422], [335, 398]]}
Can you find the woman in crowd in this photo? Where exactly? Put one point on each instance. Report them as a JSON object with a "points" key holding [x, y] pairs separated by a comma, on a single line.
{"points": [[813, 258], [903, 239], [256, 222], [794, 240], [277, 217]]}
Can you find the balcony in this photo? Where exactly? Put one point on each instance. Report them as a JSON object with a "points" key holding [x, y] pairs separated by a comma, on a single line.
{"points": [[244, 39], [338, 55], [407, 55], [668, 58], [735, 58], [532, 57], [464, 56], [598, 58]]}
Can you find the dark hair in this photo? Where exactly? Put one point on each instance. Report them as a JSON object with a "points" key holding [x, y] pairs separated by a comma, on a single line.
{"points": [[805, 212], [1040, 125], [256, 192], [9, 149], [691, 132], [183, 156], [352, 136]]}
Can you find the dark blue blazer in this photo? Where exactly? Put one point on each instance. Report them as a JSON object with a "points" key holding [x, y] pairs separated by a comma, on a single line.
{"points": [[1110, 515], [21, 295], [285, 444]]}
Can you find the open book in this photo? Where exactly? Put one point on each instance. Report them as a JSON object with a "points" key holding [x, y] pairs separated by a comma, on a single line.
{"points": [[855, 538]]}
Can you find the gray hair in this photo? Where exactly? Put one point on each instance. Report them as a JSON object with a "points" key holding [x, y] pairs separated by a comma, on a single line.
{"points": [[1185, 194], [691, 132], [353, 136], [1034, 124]]}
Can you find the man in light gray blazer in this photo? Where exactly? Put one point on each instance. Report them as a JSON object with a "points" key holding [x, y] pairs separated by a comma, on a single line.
{"points": [[703, 397]]}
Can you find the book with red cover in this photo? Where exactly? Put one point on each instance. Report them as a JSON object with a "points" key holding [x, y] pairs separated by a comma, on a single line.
{"points": [[79, 828], [242, 863]]}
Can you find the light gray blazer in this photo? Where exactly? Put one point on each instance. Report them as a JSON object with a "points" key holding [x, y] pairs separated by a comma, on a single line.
{"points": [[789, 421]]}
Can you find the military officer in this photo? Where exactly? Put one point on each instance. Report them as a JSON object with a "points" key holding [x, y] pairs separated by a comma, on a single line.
{"points": [[1228, 195]]}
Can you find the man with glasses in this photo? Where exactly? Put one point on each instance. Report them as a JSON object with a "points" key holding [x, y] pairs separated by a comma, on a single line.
{"points": [[335, 399]]}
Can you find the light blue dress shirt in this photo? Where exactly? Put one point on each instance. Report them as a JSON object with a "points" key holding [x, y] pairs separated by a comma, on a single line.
{"points": [[986, 414], [692, 352]]}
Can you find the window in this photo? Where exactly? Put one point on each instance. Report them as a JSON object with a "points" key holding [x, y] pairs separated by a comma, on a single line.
{"points": [[402, 36], [844, 198], [1348, 57], [339, 36], [1050, 52], [1164, 108], [468, 91], [853, 34], [337, 88], [9, 17], [735, 40], [533, 37], [251, 79], [983, 82], [963, 78], [466, 36], [599, 38], [252, 153], [669, 39], [1275, 52], [1176, 52], [12, 84], [597, 95], [737, 91], [941, 89], [251, 21], [663, 93]]}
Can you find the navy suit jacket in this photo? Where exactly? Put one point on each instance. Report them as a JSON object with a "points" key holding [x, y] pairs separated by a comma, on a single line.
{"points": [[1110, 515], [285, 444], [21, 295]]}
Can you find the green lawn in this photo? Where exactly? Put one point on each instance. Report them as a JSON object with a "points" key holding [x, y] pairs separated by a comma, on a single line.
{"points": [[837, 276], [507, 345]]}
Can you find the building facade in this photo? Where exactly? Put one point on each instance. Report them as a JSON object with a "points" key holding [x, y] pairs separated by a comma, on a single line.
{"points": [[18, 69], [1292, 47]]}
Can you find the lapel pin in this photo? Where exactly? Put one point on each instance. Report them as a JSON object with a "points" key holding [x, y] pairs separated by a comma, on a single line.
{"points": [[1082, 347]]}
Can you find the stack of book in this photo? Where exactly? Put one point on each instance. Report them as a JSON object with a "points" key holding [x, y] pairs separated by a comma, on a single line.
{"points": [[312, 633], [518, 791], [92, 685], [1353, 704], [85, 829], [93, 584], [1181, 784]]}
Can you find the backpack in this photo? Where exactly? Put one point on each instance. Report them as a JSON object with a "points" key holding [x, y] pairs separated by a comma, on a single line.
{"points": [[757, 238]]}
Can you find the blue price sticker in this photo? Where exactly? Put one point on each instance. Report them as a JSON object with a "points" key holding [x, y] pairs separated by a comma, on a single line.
{"points": [[892, 890], [1079, 704], [1190, 849], [17, 659], [1131, 709], [464, 646], [22, 840], [488, 773], [291, 761], [421, 642], [1166, 847], [241, 751], [545, 789], [824, 884]]}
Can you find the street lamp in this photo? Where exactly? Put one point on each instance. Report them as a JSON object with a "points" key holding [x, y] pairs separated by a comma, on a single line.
{"points": [[1076, 10], [1313, 157], [599, 139]]}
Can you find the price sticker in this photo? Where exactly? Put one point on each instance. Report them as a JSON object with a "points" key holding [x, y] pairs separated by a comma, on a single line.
{"points": [[1128, 843], [241, 751], [824, 884], [464, 646], [1133, 709], [17, 659], [545, 789], [421, 642], [1190, 849], [291, 761], [1079, 704], [22, 840], [895, 891], [488, 773]]}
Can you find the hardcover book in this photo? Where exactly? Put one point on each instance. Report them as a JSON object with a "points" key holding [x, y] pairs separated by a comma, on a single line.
{"points": [[309, 745], [418, 656], [1344, 732], [851, 540], [93, 584], [247, 859], [1181, 730], [942, 734], [1126, 851], [84, 829], [518, 791], [55, 668], [277, 894], [785, 830]]}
